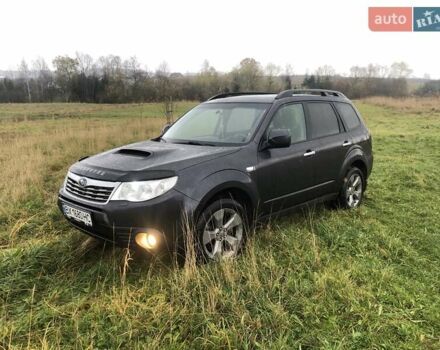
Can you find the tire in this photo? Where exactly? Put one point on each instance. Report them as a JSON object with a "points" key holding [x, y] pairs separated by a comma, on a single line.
{"points": [[221, 230], [352, 190]]}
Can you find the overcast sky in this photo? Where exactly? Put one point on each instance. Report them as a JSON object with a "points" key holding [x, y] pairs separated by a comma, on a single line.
{"points": [[305, 34]]}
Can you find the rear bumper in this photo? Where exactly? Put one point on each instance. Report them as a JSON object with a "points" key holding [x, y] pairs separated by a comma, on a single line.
{"points": [[118, 222]]}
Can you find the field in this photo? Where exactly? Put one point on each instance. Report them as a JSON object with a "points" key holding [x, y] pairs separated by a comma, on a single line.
{"points": [[319, 278]]}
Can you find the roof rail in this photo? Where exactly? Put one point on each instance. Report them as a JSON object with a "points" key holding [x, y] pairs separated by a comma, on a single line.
{"points": [[321, 92], [230, 94]]}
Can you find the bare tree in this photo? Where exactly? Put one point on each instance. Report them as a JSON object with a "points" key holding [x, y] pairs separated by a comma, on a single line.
{"points": [[272, 72], [207, 81], [44, 77], [85, 64], [358, 72], [24, 74], [400, 70], [325, 71], [162, 77]]}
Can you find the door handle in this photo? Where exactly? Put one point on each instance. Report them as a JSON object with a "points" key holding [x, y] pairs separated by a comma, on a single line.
{"points": [[309, 153], [346, 143]]}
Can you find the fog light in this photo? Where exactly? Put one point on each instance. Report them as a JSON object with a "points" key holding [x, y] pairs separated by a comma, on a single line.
{"points": [[147, 240]]}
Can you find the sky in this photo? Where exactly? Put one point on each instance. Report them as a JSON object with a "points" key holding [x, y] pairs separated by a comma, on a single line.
{"points": [[305, 34]]}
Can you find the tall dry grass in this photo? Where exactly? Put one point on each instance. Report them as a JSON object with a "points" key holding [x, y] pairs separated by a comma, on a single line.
{"points": [[35, 155], [416, 105]]}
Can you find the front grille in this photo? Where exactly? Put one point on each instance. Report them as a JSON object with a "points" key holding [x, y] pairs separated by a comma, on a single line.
{"points": [[94, 190]]}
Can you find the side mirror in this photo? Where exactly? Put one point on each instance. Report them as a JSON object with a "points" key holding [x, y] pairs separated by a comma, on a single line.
{"points": [[165, 128], [278, 138]]}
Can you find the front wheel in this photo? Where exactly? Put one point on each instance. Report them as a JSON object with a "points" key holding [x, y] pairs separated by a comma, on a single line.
{"points": [[221, 230], [352, 190]]}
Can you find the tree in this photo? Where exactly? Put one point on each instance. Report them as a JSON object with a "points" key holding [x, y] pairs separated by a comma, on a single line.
{"points": [[429, 88], [85, 64], [162, 80], [358, 72], [287, 77], [25, 76], [136, 79], [247, 76], [325, 71], [207, 82], [272, 72], [310, 82], [44, 80], [65, 70], [400, 70], [113, 79]]}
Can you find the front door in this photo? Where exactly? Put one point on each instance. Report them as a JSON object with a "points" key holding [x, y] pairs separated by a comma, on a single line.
{"points": [[285, 176]]}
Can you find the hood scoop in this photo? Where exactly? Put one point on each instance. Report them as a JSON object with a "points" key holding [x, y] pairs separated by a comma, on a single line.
{"points": [[134, 152]]}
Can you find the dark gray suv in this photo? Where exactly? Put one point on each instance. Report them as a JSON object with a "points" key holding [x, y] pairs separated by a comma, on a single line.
{"points": [[225, 164]]}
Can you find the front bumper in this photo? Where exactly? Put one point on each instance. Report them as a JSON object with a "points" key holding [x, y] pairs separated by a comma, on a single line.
{"points": [[118, 222]]}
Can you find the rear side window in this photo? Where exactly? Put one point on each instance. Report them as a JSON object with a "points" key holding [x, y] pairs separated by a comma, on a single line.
{"points": [[322, 120], [348, 114]]}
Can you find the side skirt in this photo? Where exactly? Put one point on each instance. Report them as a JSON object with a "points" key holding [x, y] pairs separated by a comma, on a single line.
{"points": [[286, 211]]}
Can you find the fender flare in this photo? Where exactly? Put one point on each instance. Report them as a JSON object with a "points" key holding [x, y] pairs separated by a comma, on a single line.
{"points": [[352, 156], [223, 180]]}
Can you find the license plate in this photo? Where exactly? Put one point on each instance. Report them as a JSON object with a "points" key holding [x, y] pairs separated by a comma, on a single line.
{"points": [[77, 214]]}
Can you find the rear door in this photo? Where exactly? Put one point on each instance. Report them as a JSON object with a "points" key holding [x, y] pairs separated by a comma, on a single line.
{"points": [[325, 127]]}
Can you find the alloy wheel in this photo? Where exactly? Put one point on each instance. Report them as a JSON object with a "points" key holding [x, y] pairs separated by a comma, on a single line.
{"points": [[223, 234], [353, 192]]}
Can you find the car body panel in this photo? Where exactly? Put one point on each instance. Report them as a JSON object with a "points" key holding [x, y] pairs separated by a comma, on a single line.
{"points": [[153, 160]]}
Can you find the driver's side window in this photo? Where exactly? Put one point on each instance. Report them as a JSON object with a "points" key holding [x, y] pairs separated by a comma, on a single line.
{"points": [[291, 117]]}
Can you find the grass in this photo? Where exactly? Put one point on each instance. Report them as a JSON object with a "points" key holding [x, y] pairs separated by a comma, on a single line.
{"points": [[417, 105], [321, 278], [31, 111]]}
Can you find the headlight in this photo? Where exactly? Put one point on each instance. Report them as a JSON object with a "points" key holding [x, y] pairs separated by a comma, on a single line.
{"points": [[143, 190]]}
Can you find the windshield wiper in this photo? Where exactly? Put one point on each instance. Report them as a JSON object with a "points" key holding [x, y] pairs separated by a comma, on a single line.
{"points": [[195, 143]]}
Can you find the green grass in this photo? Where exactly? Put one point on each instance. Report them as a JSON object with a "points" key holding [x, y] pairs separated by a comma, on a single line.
{"points": [[321, 278]]}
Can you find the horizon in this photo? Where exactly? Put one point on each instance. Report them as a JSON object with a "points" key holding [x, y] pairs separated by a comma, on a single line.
{"points": [[146, 68]]}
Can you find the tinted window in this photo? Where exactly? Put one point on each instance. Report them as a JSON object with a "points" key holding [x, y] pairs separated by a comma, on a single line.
{"points": [[291, 117], [348, 114], [322, 120]]}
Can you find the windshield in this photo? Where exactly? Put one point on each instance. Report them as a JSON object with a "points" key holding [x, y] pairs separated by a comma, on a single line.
{"points": [[217, 123]]}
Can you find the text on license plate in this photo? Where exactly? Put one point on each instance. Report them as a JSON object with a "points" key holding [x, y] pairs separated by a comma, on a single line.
{"points": [[78, 215]]}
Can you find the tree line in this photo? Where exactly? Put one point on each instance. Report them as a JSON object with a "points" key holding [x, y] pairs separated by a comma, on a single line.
{"points": [[111, 79]]}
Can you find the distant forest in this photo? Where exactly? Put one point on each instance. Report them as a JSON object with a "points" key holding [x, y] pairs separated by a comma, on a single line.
{"points": [[110, 79]]}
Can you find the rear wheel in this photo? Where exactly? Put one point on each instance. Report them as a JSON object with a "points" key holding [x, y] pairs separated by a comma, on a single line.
{"points": [[221, 230], [352, 190]]}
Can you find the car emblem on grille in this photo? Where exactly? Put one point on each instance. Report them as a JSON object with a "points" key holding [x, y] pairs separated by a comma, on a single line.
{"points": [[82, 182]]}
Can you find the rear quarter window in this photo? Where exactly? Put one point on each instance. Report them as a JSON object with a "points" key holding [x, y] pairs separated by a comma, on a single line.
{"points": [[348, 114], [322, 119]]}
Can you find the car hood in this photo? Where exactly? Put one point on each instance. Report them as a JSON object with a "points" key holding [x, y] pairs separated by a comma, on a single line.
{"points": [[146, 160]]}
